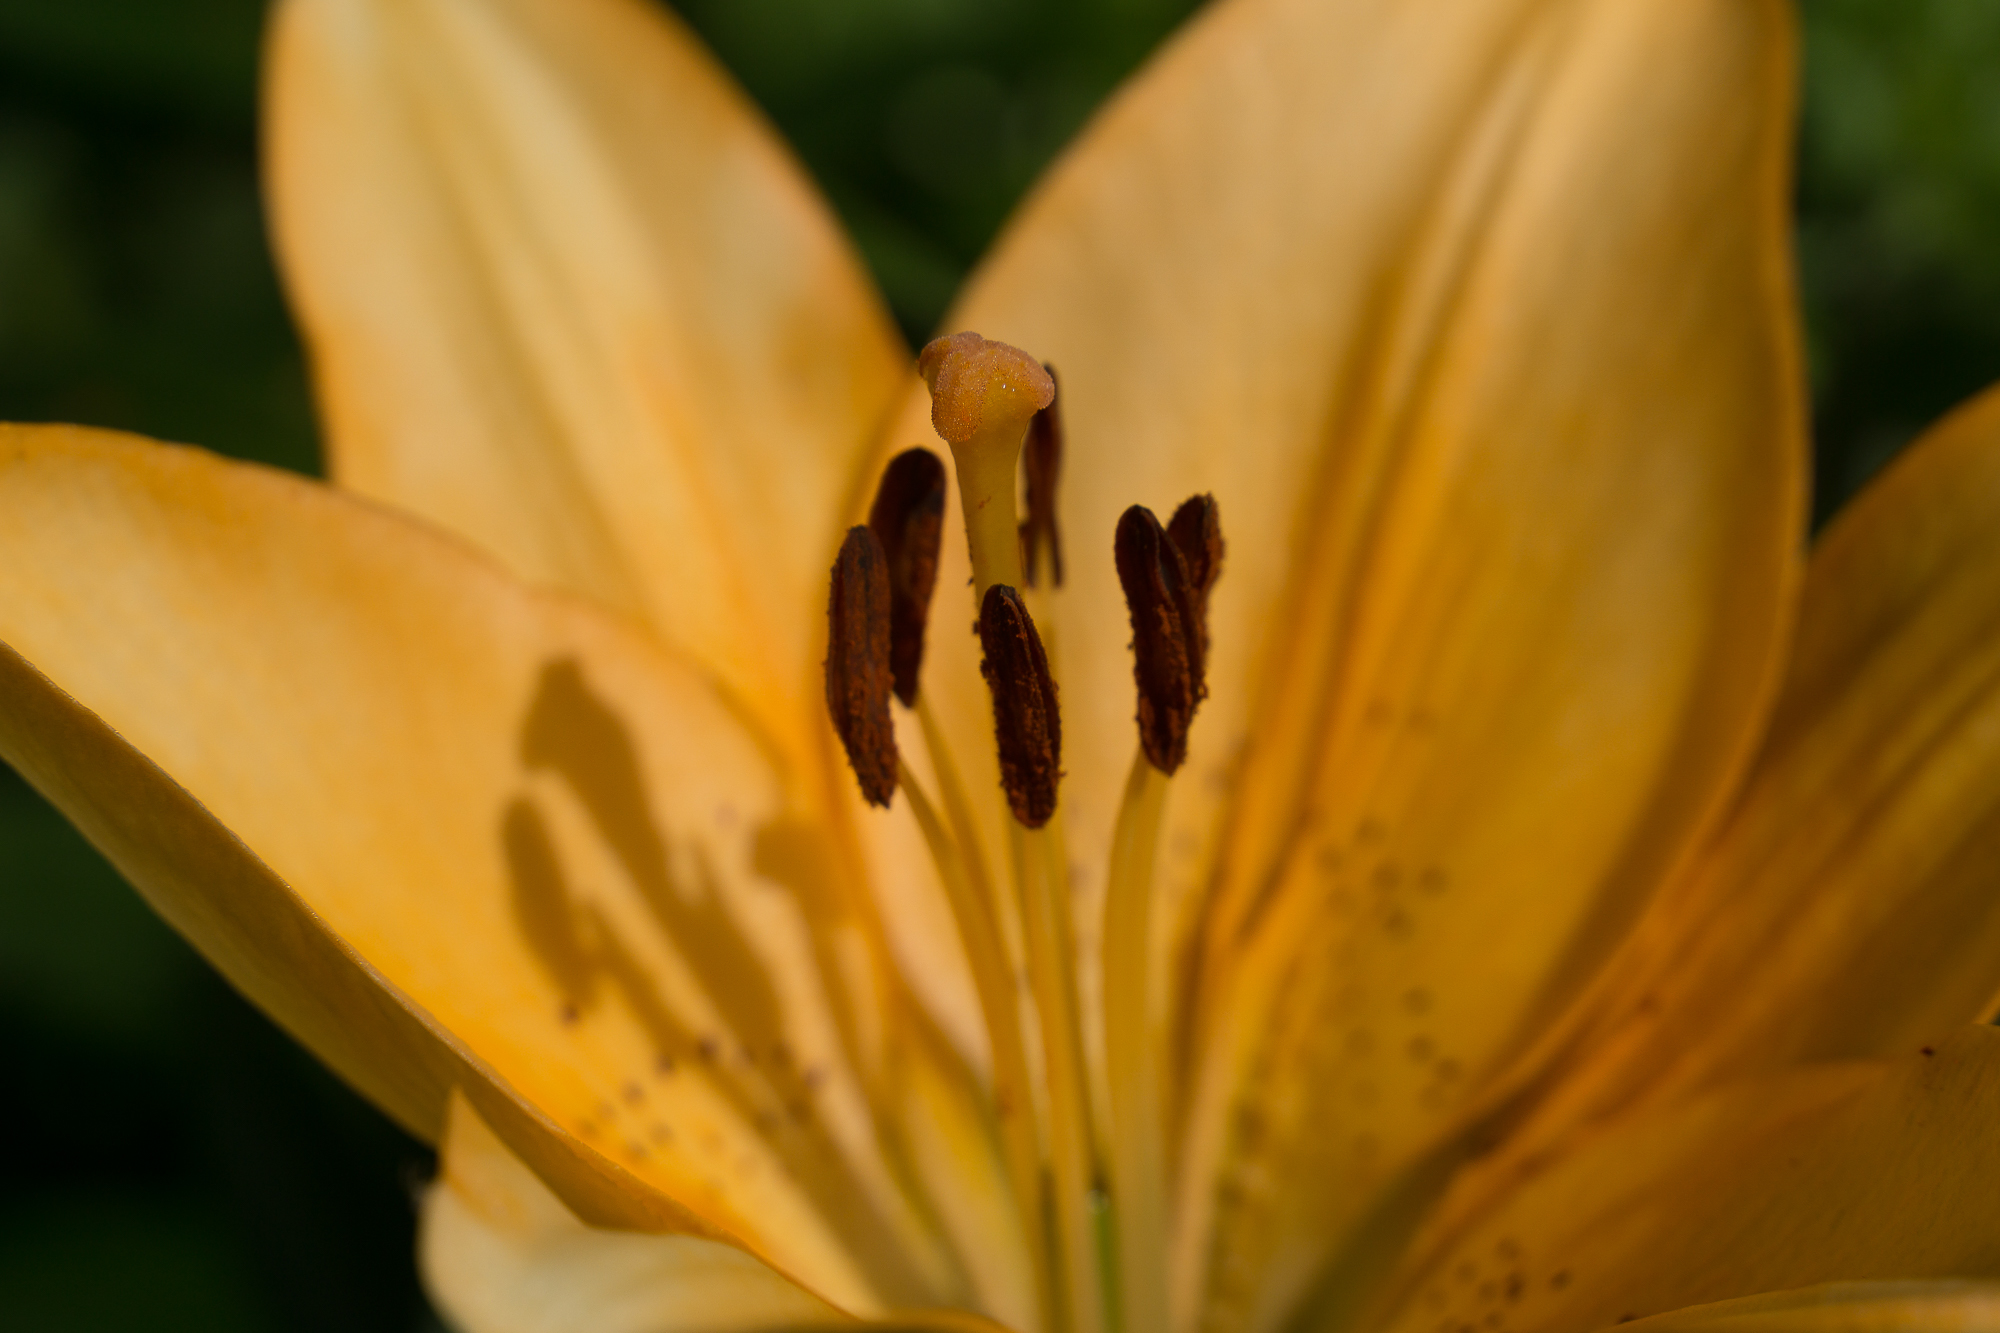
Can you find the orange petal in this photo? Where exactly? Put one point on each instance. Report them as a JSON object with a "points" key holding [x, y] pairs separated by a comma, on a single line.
{"points": [[501, 1254], [450, 831], [1846, 907], [1844, 1307], [1832, 1173], [567, 296], [1476, 318]]}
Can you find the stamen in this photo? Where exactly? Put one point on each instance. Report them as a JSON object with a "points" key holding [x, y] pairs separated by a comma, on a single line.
{"points": [[1156, 584], [1041, 462], [908, 519], [857, 663], [1167, 578], [1026, 724], [983, 394], [1196, 532]]}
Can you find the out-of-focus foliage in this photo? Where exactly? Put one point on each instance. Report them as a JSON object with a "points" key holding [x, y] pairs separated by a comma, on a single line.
{"points": [[178, 1164], [925, 120], [1899, 231], [135, 289]]}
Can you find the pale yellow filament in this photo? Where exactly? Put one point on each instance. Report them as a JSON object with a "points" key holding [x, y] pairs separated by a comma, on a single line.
{"points": [[1045, 905], [958, 814], [999, 1004], [1132, 1040]]}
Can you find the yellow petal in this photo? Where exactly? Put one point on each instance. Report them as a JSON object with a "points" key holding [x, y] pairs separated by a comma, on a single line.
{"points": [[566, 295], [501, 1254], [1846, 907], [954, 1148], [1845, 1307], [1475, 317], [487, 837], [1830, 1173]]}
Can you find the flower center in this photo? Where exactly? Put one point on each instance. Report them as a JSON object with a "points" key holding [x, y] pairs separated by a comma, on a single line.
{"points": [[1093, 1207]]}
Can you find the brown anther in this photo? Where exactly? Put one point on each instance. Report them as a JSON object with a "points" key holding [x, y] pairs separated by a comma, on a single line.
{"points": [[908, 519], [1164, 640], [1026, 723], [1196, 532], [979, 386], [857, 663], [1041, 460]]}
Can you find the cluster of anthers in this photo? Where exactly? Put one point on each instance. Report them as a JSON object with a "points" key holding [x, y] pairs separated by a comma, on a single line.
{"points": [[1094, 1210]]}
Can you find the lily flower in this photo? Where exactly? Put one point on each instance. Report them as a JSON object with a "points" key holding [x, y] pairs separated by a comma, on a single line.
{"points": [[1565, 905]]}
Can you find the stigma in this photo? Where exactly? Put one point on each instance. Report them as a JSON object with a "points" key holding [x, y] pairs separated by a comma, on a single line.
{"points": [[982, 389], [984, 396]]}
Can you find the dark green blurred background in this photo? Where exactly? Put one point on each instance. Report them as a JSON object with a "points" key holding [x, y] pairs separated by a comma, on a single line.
{"points": [[172, 1161]]}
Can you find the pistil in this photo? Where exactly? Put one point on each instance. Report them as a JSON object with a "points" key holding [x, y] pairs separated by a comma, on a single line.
{"points": [[983, 396]]}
